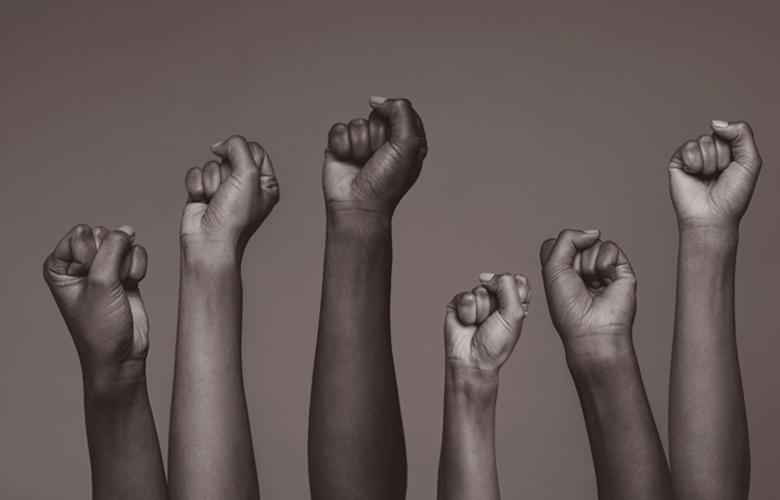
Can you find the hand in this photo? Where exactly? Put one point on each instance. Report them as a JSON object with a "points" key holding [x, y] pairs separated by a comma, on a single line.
{"points": [[228, 200], [370, 168], [712, 179], [93, 275], [482, 326], [591, 289]]}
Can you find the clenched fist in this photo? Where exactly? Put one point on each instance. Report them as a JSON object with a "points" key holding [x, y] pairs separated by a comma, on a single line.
{"points": [[591, 289], [483, 325], [370, 164], [712, 178], [93, 274], [228, 200]]}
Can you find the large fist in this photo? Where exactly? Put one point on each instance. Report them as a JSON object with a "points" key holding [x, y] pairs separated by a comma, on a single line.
{"points": [[370, 164], [482, 326], [712, 178], [590, 287], [228, 200], [93, 275]]}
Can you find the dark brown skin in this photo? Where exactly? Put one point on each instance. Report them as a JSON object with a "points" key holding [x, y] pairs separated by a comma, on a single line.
{"points": [[211, 453], [481, 328], [712, 180], [356, 441], [591, 294], [93, 275]]}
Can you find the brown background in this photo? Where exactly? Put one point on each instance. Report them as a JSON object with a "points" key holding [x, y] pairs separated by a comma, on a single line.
{"points": [[540, 116]]}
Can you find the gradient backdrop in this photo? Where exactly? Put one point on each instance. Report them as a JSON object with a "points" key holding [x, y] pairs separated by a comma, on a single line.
{"points": [[540, 115]]}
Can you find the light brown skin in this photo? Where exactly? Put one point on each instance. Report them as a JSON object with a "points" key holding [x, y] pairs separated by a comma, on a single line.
{"points": [[93, 274], [211, 453], [591, 294], [481, 329], [356, 441], [711, 182]]}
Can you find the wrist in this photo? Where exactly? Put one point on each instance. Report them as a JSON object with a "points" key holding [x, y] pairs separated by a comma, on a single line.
{"points": [[709, 235], [200, 254], [471, 384], [115, 382], [595, 351], [343, 218]]}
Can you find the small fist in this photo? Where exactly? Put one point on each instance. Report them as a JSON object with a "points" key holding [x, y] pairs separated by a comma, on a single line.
{"points": [[482, 326], [590, 287], [228, 200], [712, 178], [93, 274], [370, 164]]}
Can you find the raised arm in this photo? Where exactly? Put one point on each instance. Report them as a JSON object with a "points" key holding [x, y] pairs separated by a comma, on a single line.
{"points": [[591, 293], [712, 180], [481, 329], [356, 441], [211, 453], [93, 275]]}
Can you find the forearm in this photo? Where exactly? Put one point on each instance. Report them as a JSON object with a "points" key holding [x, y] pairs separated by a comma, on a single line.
{"points": [[356, 444], [708, 426], [211, 453], [123, 448], [627, 453], [467, 466]]}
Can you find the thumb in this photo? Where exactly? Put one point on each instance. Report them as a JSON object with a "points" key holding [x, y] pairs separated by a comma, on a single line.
{"points": [[263, 161], [401, 118], [546, 250], [505, 288], [235, 150], [106, 268], [739, 135]]}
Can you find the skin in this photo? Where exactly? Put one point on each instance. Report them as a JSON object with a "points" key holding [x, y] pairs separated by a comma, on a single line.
{"points": [[211, 453], [93, 275], [591, 294], [711, 180], [481, 328], [356, 441]]}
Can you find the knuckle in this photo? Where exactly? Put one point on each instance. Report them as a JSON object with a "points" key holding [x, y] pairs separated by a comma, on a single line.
{"points": [[236, 141], [402, 104], [257, 148], [566, 233], [81, 229], [191, 173], [336, 129], [358, 122], [744, 128], [119, 238]]}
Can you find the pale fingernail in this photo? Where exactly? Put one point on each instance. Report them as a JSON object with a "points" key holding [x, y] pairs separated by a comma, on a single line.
{"points": [[376, 100], [486, 276], [217, 144], [591, 231], [128, 230], [719, 124]]}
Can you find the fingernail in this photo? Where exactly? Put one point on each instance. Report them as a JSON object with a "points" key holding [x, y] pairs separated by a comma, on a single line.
{"points": [[591, 231], [128, 230], [217, 144], [719, 124], [486, 276], [375, 100]]}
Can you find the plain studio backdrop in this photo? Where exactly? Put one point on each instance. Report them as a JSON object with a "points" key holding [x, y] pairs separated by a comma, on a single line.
{"points": [[540, 115]]}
